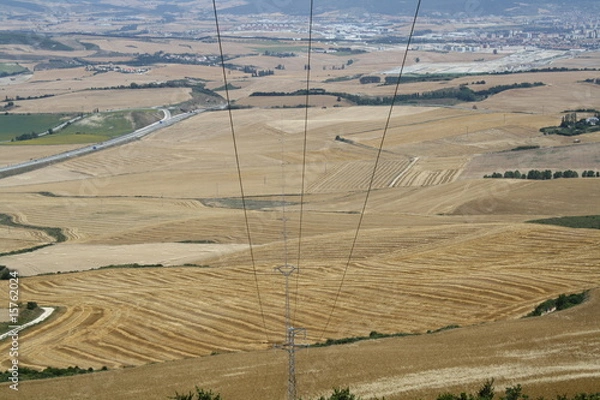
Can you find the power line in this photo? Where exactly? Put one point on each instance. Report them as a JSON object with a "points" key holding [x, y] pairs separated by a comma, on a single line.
{"points": [[304, 151], [239, 171], [376, 164], [304, 148]]}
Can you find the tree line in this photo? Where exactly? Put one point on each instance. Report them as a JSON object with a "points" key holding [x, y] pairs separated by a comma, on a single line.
{"points": [[547, 174], [592, 80], [26, 373], [461, 93], [19, 98]]}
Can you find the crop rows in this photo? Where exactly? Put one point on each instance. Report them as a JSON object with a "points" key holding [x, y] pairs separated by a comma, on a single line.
{"points": [[397, 281], [427, 178], [357, 176]]}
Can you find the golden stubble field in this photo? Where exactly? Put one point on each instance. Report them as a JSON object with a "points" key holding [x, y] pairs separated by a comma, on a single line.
{"points": [[547, 355], [438, 246]]}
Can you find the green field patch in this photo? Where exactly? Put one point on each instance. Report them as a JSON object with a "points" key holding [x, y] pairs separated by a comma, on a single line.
{"points": [[34, 40], [62, 139], [110, 125], [11, 69], [92, 129], [279, 48], [584, 221], [13, 125]]}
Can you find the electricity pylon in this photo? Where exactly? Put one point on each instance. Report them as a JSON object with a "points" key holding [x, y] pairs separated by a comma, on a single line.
{"points": [[289, 345]]}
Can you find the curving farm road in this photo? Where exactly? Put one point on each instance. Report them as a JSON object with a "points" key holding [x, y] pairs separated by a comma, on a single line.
{"points": [[47, 312]]}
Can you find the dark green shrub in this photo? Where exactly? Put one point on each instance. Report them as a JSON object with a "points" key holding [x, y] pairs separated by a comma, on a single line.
{"points": [[340, 394], [200, 394], [514, 393]]}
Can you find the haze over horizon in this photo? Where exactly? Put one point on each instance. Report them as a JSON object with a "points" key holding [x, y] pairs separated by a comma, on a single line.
{"points": [[442, 8]]}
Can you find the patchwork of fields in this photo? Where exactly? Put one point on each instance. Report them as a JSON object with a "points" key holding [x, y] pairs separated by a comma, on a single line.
{"points": [[438, 245]]}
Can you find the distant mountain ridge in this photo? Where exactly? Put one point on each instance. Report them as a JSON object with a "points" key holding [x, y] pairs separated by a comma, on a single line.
{"points": [[448, 8], [466, 8]]}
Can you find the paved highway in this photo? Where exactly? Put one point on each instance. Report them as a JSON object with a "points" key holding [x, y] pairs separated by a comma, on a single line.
{"points": [[167, 120]]}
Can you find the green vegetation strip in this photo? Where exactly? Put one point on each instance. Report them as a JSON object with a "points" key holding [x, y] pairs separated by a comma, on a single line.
{"points": [[55, 233], [584, 221], [457, 94], [538, 175], [201, 241], [11, 69], [377, 335], [95, 128], [134, 265], [34, 40], [562, 302], [50, 372]]}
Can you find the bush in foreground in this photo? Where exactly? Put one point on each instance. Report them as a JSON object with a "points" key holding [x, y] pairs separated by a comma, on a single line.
{"points": [[200, 394], [486, 392]]}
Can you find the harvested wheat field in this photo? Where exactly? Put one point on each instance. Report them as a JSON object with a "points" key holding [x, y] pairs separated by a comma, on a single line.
{"points": [[438, 246], [557, 353]]}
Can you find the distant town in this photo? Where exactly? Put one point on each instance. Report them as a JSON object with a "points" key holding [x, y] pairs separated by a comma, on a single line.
{"points": [[477, 33]]}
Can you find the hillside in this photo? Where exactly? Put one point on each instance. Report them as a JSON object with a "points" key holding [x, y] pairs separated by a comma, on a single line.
{"points": [[552, 355], [434, 249], [440, 7]]}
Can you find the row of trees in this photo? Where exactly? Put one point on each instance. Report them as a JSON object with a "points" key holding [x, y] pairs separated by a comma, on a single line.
{"points": [[501, 88], [50, 372], [547, 174], [461, 93], [19, 98], [592, 80], [196, 86], [178, 83]]}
